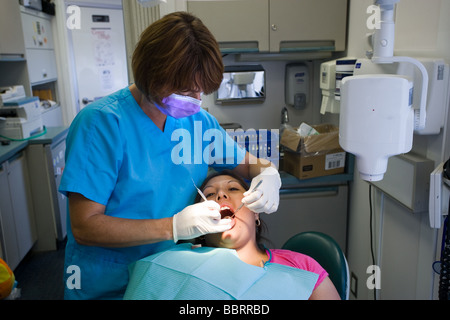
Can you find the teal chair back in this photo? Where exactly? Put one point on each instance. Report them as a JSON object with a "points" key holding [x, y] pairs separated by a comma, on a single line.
{"points": [[325, 250]]}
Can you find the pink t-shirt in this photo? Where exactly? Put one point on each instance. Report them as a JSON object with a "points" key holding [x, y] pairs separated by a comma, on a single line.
{"points": [[298, 260]]}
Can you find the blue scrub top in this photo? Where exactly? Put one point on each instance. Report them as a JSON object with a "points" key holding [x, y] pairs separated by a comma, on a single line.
{"points": [[118, 157]]}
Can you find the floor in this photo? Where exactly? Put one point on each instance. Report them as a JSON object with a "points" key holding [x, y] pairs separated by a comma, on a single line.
{"points": [[39, 275]]}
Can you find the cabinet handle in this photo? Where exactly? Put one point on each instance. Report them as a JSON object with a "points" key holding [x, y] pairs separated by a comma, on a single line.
{"points": [[274, 27]]}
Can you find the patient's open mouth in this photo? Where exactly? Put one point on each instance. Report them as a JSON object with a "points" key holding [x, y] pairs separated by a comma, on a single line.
{"points": [[226, 211]]}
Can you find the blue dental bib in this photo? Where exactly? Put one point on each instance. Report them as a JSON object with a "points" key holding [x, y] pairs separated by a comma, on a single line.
{"points": [[205, 273]]}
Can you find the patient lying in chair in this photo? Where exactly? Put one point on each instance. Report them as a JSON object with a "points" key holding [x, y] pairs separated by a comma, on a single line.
{"points": [[232, 264]]}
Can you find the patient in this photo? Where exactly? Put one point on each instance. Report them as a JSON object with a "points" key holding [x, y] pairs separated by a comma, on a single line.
{"points": [[229, 265], [227, 190]]}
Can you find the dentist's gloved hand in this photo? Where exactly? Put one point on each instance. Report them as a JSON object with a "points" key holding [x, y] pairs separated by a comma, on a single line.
{"points": [[199, 219], [266, 197]]}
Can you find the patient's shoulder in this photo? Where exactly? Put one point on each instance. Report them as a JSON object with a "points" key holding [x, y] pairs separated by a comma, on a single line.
{"points": [[296, 260]]}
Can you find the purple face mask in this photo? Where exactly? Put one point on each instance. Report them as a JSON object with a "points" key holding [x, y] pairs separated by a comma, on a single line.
{"points": [[178, 106]]}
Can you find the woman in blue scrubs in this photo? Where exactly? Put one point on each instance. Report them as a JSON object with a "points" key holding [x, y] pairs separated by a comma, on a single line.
{"points": [[132, 158]]}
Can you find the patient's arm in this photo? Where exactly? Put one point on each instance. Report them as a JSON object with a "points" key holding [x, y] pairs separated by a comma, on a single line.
{"points": [[325, 291]]}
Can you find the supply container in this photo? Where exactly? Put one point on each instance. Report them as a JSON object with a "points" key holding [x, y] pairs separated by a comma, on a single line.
{"points": [[315, 155]]}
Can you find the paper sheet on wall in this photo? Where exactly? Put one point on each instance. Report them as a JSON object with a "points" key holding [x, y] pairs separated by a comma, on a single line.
{"points": [[103, 47], [104, 56]]}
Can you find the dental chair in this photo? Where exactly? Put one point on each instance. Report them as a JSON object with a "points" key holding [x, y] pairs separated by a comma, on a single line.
{"points": [[327, 253]]}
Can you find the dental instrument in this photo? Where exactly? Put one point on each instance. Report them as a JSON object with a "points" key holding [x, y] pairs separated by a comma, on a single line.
{"points": [[254, 189], [204, 198], [199, 191]]}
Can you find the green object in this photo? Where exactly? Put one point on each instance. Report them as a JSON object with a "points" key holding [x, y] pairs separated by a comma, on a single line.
{"points": [[325, 250]]}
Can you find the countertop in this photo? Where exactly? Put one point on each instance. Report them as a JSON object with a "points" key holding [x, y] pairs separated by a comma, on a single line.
{"points": [[53, 134], [290, 184]]}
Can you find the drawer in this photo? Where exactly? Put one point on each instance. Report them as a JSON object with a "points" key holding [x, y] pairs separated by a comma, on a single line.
{"points": [[41, 65]]}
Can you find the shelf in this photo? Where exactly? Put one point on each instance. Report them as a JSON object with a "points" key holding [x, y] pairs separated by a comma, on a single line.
{"points": [[291, 184], [12, 58]]}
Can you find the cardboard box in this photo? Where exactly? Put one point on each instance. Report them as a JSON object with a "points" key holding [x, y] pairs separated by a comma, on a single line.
{"points": [[313, 156], [306, 167], [45, 94]]}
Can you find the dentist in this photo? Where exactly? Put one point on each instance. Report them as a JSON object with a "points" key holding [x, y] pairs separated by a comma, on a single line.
{"points": [[128, 198]]}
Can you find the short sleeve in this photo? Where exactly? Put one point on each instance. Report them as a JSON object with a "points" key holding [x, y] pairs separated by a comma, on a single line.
{"points": [[300, 261], [93, 155]]}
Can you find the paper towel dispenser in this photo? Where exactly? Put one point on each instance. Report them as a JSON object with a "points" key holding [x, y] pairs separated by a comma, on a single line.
{"points": [[297, 85]]}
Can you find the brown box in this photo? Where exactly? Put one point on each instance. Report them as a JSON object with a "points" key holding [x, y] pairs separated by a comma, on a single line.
{"points": [[44, 94], [313, 156]]}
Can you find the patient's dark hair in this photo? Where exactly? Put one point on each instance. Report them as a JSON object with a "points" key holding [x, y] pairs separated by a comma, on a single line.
{"points": [[262, 228]]}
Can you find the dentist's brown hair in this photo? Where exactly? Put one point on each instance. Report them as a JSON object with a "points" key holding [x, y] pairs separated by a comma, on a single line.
{"points": [[177, 53]]}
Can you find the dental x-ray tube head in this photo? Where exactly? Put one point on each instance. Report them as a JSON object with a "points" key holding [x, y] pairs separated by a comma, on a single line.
{"points": [[384, 37], [376, 121]]}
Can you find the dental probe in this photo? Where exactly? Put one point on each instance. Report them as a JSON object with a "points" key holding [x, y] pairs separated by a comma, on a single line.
{"points": [[199, 191], [253, 190]]}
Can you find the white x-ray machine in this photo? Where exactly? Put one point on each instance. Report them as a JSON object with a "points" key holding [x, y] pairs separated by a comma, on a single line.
{"points": [[386, 101], [377, 119]]}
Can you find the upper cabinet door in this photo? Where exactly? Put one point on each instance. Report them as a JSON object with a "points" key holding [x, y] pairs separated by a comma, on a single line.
{"points": [[11, 35], [275, 25], [239, 26], [37, 32], [298, 25]]}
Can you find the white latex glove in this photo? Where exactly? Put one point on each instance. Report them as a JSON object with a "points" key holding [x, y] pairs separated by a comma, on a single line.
{"points": [[267, 196], [199, 219]]}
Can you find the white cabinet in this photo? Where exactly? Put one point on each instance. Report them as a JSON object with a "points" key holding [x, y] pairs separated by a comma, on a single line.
{"points": [[8, 238], [275, 25], [27, 55], [41, 66], [11, 38], [322, 209], [37, 30], [237, 25], [39, 46], [46, 163], [298, 25], [17, 221]]}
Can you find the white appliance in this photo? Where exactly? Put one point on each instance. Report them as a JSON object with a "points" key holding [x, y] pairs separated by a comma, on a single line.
{"points": [[11, 93], [377, 121], [21, 118], [331, 75], [399, 224], [328, 87], [297, 85], [352, 120]]}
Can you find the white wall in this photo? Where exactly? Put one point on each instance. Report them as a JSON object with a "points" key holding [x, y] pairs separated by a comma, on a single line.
{"points": [[257, 116], [404, 242], [422, 28], [267, 115]]}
